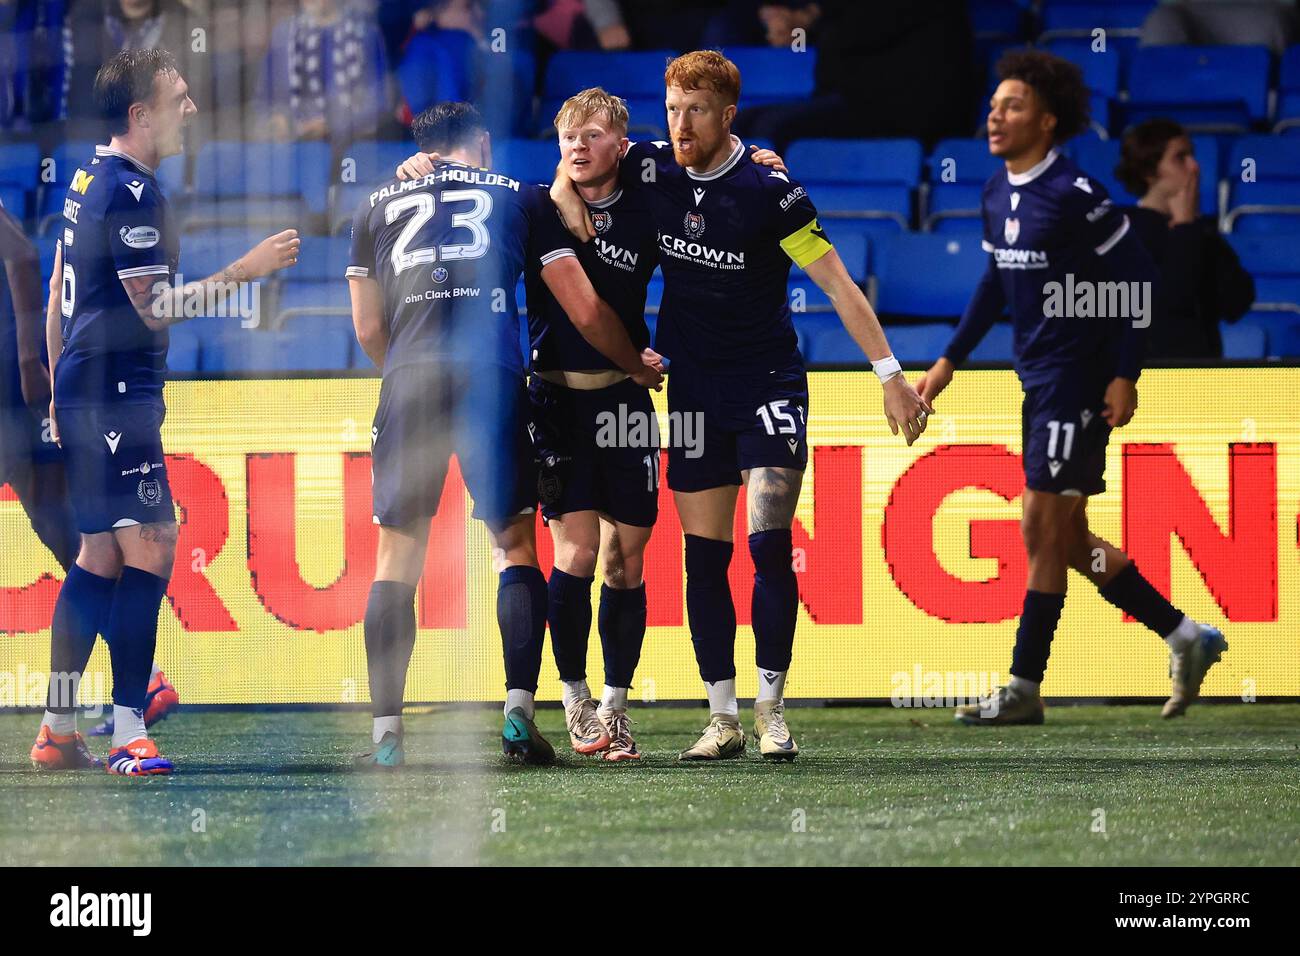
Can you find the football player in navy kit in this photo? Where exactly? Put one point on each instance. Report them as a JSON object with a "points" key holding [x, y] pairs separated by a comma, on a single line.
{"points": [[597, 438], [430, 256], [111, 301], [727, 232], [1049, 229]]}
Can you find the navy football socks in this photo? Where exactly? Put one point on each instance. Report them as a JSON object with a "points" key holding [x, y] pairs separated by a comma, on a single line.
{"points": [[622, 632], [390, 639], [775, 603], [1137, 597], [132, 632], [79, 613], [709, 607], [1038, 622], [569, 612], [521, 615]]}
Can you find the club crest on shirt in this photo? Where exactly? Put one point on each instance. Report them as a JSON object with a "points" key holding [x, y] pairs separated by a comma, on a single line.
{"points": [[150, 492], [1011, 230], [601, 220], [694, 224]]}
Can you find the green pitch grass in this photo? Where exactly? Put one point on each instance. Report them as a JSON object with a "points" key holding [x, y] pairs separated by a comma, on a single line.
{"points": [[872, 786]]}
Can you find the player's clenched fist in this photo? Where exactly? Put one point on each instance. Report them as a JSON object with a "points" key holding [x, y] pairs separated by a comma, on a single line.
{"points": [[652, 375], [272, 253], [905, 409]]}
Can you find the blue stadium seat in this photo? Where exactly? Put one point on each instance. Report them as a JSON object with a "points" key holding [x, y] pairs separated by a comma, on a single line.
{"points": [[49, 206], [996, 19], [997, 345], [1218, 87], [282, 184], [1273, 260], [314, 296], [437, 65], [1078, 18], [1101, 69], [374, 160], [1241, 341], [1272, 202], [14, 198], [919, 344], [1284, 339], [927, 274], [772, 74], [854, 247], [249, 350], [20, 163], [320, 259], [959, 168], [804, 295], [636, 74], [204, 253], [1288, 92], [859, 178], [183, 351], [532, 160]]}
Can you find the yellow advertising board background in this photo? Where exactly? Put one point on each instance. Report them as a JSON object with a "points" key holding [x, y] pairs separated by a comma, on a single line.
{"points": [[1095, 653]]}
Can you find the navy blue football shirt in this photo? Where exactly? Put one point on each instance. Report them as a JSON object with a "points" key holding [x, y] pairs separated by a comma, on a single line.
{"points": [[447, 250], [116, 225], [619, 261], [726, 240], [1051, 231]]}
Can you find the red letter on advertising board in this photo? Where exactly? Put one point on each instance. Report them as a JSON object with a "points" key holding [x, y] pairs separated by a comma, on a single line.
{"points": [[907, 535], [205, 525], [1239, 568], [272, 557], [442, 585]]}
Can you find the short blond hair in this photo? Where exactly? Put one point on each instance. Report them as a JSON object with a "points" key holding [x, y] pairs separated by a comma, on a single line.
{"points": [[581, 107], [705, 70]]}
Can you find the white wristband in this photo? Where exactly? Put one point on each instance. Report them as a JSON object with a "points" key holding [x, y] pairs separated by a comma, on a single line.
{"points": [[886, 368]]}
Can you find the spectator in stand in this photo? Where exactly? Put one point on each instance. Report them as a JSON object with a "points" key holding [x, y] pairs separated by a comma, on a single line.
{"points": [[1270, 23], [33, 68], [96, 30], [441, 60], [1202, 281], [888, 68], [325, 75]]}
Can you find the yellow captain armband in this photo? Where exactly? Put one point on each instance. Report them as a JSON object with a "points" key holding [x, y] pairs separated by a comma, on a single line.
{"points": [[806, 245]]}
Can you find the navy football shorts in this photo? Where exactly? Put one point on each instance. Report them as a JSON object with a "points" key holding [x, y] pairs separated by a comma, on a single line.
{"points": [[1064, 434], [117, 474], [721, 424], [597, 450], [429, 411]]}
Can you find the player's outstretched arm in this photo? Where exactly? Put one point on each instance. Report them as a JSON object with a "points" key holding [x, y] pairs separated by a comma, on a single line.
{"points": [[159, 304], [573, 211], [597, 322], [54, 329], [904, 408], [368, 318]]}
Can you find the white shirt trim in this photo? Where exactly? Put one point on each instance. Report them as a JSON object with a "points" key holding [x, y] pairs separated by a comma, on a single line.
{"points": [[1106, 246], [737, 151], [1029, 175], [609, 200], [105, 151], [556, 254], [357, 272], [136, 271]]}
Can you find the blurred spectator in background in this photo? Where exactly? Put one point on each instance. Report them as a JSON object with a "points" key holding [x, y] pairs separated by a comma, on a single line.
{"points": [[325, 75], [441, 61], [97, 30], [888, 68], [1270, 23], [33, 68], [1202, 281]]}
